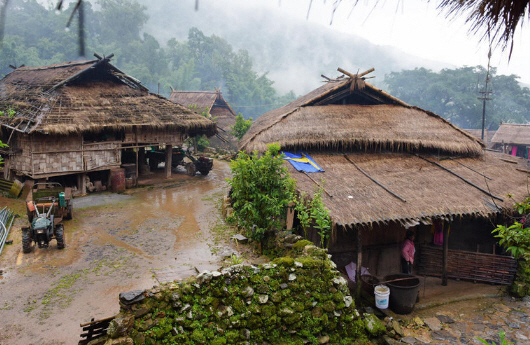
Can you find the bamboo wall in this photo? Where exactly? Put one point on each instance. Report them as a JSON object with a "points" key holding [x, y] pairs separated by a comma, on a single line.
{"points": [[154, 137], [40, 156]]}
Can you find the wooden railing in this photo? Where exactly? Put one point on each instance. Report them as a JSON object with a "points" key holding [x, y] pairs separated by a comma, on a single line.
{"points": [[94, 329]]}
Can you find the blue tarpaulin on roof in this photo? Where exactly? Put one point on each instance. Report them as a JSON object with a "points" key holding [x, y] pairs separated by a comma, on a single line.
{"points": [[302, 162]]}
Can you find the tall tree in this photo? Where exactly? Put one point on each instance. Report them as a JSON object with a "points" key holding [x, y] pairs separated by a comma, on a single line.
{"points": [[453, 94]]}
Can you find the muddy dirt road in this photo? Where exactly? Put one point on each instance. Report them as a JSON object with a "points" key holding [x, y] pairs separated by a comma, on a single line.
{"points": [[115, 243]]}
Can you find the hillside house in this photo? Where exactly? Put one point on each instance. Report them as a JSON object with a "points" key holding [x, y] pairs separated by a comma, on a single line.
{"points": [[513, 139], [389, 167], [216, 108], [79, 120]]}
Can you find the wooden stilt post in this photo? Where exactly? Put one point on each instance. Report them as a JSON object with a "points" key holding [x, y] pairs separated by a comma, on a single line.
{"points": [[141, 161], [81, 183], [359, 262], [445, 254], [169, 157]]}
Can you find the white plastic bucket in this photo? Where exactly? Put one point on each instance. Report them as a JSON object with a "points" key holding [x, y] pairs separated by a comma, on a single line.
{"points": [[382, 295]]}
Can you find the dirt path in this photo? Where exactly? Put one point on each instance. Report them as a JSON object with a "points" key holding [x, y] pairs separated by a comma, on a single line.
{"points": [[115, 243]]}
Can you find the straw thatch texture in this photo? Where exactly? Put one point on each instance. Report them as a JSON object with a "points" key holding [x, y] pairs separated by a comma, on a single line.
{"points": [[364, 127], [201, 99], [336, 117], [211, 101], [90, 97], [477, 133], [512, 134], [428, 190]]}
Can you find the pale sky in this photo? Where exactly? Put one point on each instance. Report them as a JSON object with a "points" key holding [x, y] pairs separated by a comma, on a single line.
{"points": [[416, 27]]}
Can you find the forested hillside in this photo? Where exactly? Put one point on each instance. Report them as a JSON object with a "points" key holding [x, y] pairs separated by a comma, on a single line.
{"points": [[453, 94], [167, 44], [36, 36]]}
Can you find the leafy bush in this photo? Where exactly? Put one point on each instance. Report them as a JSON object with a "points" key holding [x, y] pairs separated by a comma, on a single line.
{"points": [[314, 210], [516, 239], [261, 191], [202, 143], [240, 127]]}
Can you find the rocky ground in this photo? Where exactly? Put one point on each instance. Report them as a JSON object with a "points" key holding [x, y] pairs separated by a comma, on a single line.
{"points": [[466, 322]]}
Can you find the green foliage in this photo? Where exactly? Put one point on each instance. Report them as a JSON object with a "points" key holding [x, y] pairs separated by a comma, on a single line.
{"points": [[10, 112], [202, 143], [236, 260], [516, 237], [35, 36], [240, 127], [308, 211], [261, 191], [1, 146], [320, 215], [452, 94], [502, 340]]}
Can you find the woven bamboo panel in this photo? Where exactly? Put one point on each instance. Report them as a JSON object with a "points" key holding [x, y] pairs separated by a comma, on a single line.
{"points": [[477, 267]]}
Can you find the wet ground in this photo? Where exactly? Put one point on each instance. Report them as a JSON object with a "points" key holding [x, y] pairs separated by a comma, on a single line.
{"points": [[166, 230], [462, 312]]}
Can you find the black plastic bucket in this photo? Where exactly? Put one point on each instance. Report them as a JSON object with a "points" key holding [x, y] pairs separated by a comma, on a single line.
{"points": [[403, 292]]}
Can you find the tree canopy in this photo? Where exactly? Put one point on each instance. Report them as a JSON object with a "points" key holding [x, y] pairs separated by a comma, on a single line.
{"points": [[453, 94], [36, 36]]}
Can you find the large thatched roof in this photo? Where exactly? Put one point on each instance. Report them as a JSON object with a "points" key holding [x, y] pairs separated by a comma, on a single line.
{"points": [[512, 134], [417, 190], [383, 159], [89, 96], [349, 114], [209, 101]]}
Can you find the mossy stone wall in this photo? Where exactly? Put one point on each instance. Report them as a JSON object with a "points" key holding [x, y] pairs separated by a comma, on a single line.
{"points": [[295, 299]]}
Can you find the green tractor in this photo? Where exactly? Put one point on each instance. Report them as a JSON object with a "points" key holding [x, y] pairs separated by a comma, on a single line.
{"points": [[47, 205]]}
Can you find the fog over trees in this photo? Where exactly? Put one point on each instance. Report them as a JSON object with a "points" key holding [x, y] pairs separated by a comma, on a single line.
{"points": [[258, 63]]}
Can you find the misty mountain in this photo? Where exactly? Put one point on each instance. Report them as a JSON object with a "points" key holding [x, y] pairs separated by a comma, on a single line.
{"points": [[294, 52]]}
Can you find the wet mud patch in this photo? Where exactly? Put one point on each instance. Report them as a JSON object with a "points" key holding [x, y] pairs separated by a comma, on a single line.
{"points": [[115, 243]]}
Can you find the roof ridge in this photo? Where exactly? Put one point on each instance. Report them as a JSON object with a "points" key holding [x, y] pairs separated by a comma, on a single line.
{"points": [[41, 68]]}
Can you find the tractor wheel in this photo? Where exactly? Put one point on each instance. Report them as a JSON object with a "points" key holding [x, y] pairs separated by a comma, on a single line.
{"points": [[59, 236], [204, 172], [26, 241], [69, 212], [191, 170]]}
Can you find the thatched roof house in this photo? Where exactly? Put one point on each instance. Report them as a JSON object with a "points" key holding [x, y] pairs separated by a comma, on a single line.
{"points": [[77, 117], [217, 108], [513, 138], [388, 166], [488, 135]]}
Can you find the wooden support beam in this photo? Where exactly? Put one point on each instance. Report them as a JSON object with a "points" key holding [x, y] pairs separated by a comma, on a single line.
{"points": [[141, 161], [470, 168], [460, 177], [445, 255], [315, 182], [359, 263], [169, 156], [358, 75]]}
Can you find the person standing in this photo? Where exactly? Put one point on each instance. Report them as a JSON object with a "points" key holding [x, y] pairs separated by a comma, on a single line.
{"points": [[407, 252]]}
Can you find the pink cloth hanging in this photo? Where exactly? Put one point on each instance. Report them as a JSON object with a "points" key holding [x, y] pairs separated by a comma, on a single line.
{"points": [[514, 151]]}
